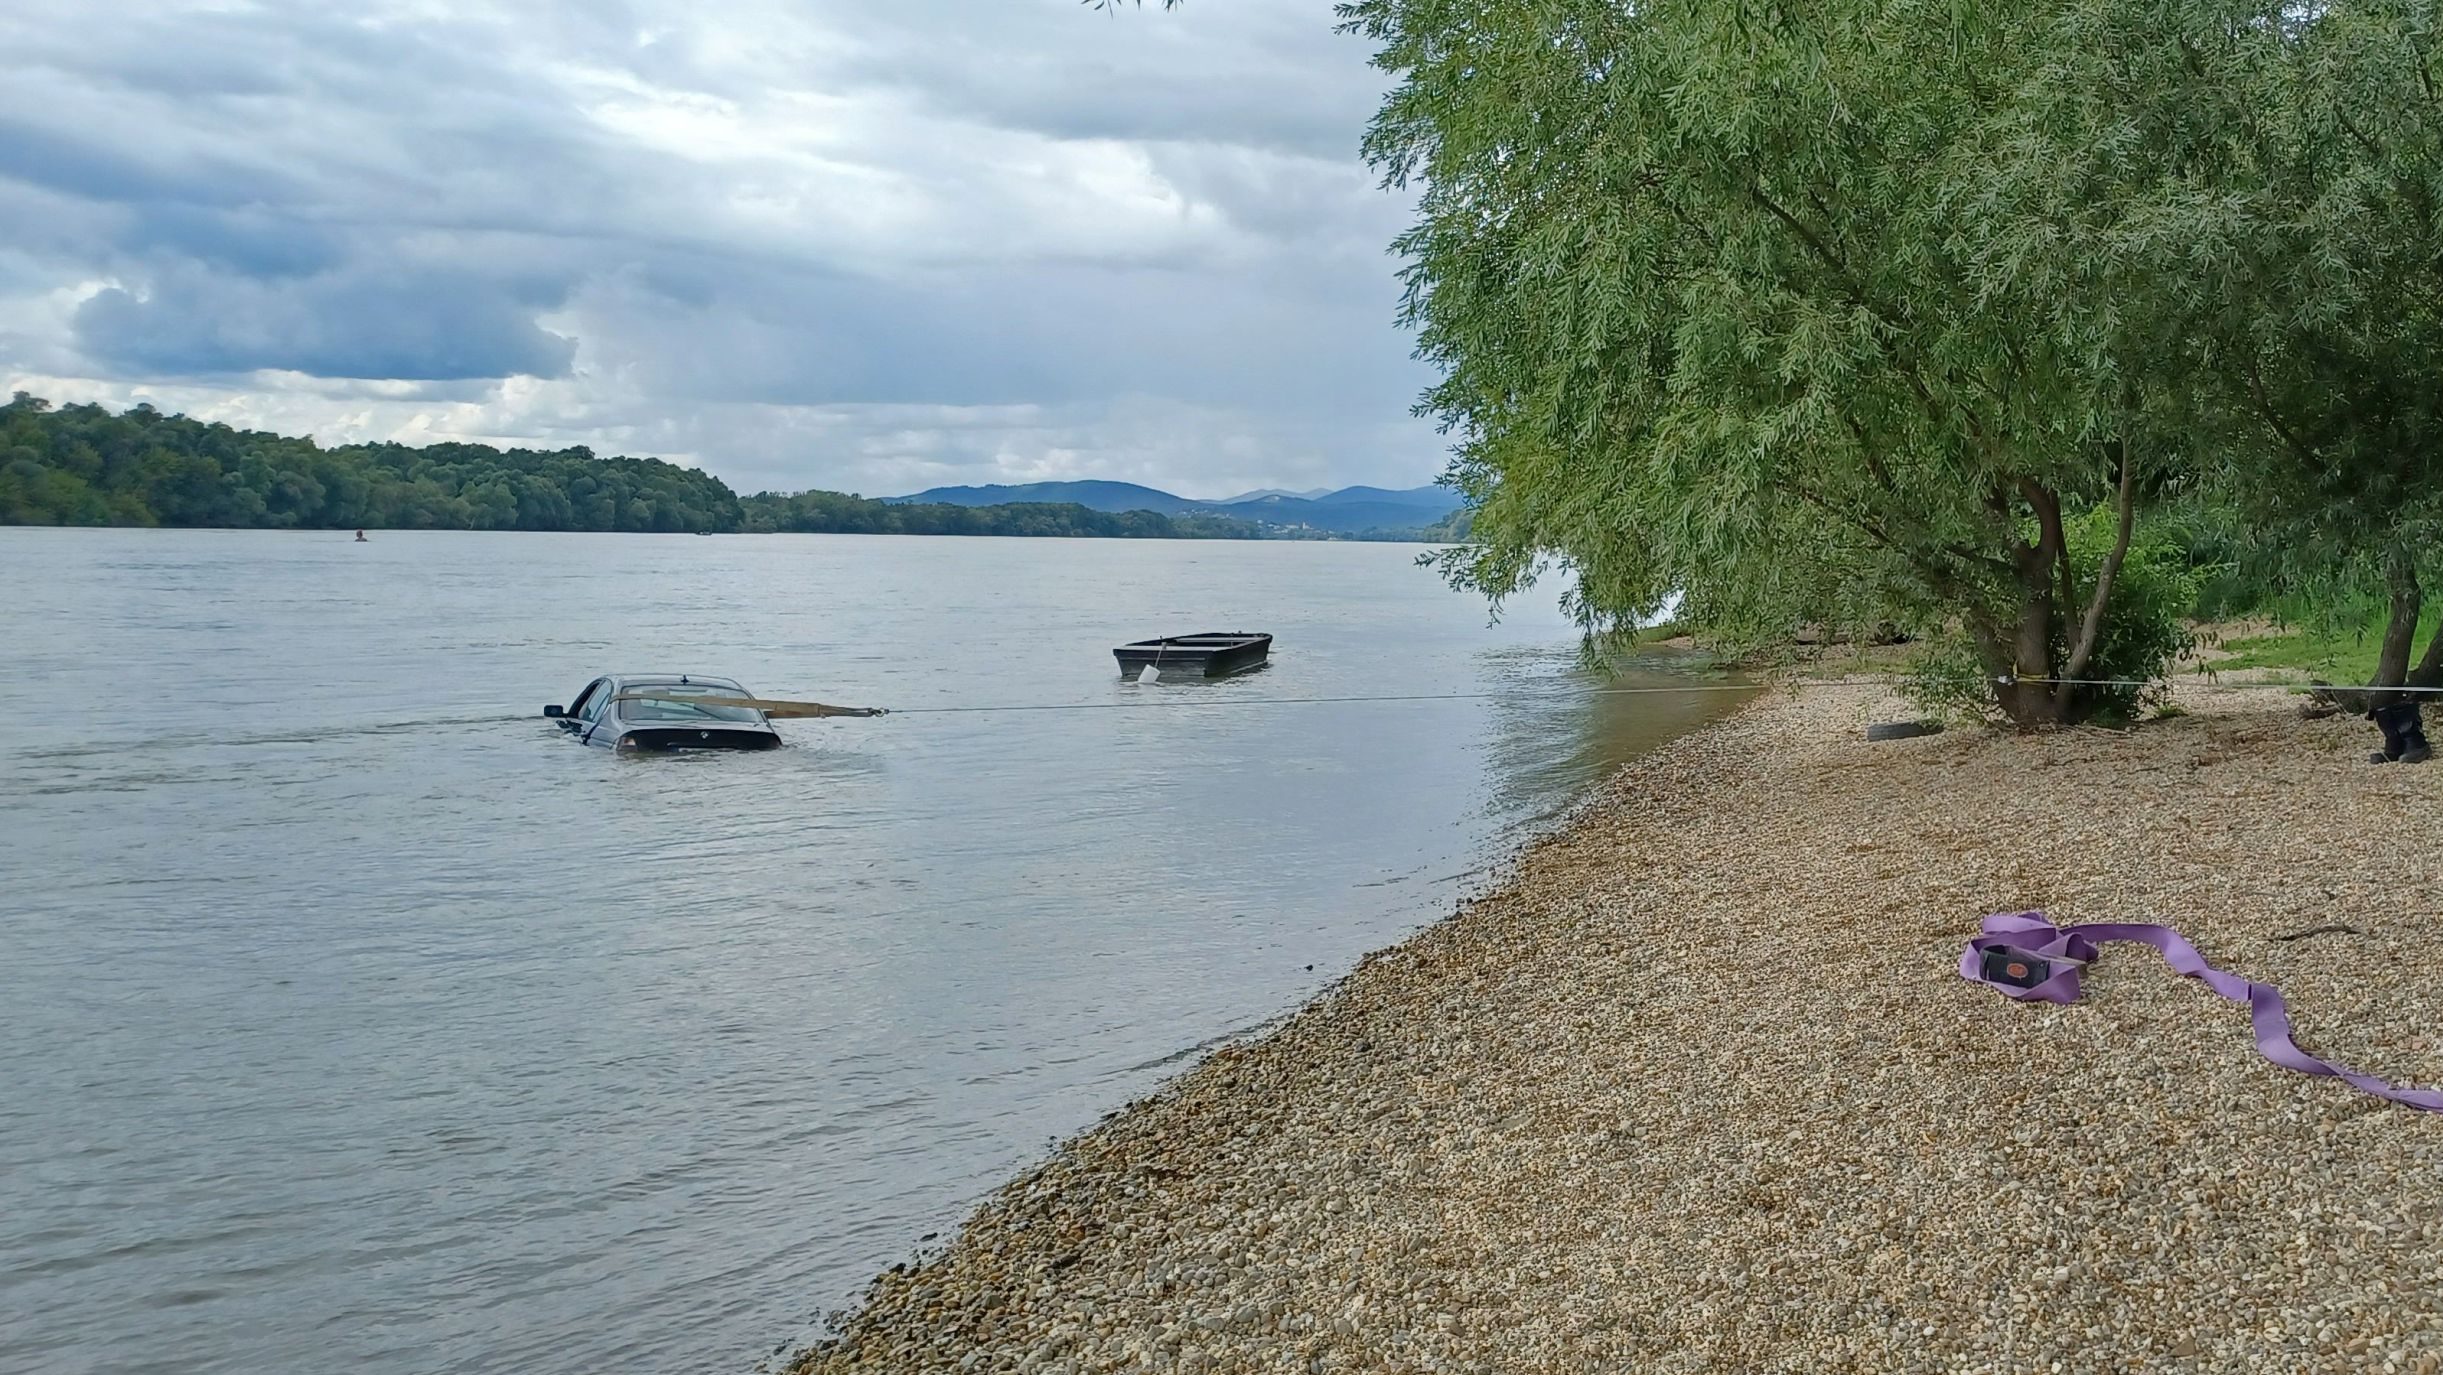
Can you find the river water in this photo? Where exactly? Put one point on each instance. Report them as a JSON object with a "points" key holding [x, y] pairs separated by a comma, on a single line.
{"points": [[351, 1017]]}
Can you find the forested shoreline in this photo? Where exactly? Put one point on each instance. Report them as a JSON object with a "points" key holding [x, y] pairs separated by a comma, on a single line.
{"points": [[85, 465]]}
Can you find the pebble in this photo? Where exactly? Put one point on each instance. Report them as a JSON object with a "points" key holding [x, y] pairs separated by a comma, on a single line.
{"points": [[1696, 1089]]}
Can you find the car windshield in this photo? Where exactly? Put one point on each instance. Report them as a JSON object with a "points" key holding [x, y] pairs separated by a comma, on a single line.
{"points": [[659, 707]]}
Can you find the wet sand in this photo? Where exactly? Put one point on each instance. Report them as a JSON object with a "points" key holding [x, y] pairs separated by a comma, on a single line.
{"points": [[1697, 1088]]}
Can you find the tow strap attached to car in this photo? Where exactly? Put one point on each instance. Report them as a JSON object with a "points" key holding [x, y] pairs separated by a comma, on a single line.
{"points": [[2023, 955]]}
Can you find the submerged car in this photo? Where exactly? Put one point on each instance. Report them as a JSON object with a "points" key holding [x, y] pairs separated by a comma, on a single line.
{"points": [[666, 712]]}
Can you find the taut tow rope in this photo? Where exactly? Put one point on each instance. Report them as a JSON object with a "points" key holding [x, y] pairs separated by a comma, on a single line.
{"points": [[1145, 703], [2007, 679], [780, 708]]}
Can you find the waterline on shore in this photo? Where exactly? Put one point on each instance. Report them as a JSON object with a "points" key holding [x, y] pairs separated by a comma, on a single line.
{"points": [[1696, 1087]]}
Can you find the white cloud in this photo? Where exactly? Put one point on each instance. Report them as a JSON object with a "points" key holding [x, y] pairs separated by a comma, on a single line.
{"points": [[801, 242]]}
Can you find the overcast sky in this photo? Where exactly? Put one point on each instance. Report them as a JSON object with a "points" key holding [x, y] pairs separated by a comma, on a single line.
{"points": [[858, 244]]}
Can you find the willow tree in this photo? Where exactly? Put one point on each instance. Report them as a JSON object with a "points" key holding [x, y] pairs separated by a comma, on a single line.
{"points": [[2333, 339], [2288, 210], [1735, 300]]}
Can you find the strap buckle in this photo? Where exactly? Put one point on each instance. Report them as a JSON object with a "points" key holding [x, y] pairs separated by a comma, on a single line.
{"points": [[2015, 968]]}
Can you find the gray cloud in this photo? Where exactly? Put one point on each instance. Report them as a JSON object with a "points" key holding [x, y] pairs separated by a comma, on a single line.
{"points": [[360, 323], [1314, 345], [1267, 77], [61, 160], [803, 242], [247, 240]]}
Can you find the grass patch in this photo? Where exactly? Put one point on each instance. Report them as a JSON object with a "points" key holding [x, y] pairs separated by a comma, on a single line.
{"points": [[2341, 652]]}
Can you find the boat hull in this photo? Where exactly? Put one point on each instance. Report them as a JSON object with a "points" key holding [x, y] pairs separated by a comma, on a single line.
{"points": [[1212, 654]]}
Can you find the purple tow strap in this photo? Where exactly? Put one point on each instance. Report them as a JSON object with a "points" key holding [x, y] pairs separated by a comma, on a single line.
{"points": [[2024, 945]]}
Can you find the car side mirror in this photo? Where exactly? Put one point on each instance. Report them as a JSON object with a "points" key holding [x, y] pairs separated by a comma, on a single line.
{"points": [[555, 711]]}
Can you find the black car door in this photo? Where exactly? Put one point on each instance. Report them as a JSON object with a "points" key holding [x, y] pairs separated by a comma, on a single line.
{"points": [[588, 707]]}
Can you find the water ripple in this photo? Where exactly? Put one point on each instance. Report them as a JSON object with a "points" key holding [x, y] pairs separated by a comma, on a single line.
{"points": [[358, 1018]]}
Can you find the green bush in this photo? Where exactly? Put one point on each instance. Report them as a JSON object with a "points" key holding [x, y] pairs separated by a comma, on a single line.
{"points": [[2145, 632], [1945, 681], [2222, 555]]}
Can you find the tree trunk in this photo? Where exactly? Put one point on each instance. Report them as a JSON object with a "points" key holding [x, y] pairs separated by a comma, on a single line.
{"points": [[2031, 698], [2429, 672], [2401, 624]]}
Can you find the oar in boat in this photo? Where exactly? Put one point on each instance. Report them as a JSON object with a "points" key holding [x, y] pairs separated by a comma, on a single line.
{"points": [[770, 706]]}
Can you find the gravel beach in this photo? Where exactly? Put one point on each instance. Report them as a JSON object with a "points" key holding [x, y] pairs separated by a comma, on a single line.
{"points": [[1698, 1089]]}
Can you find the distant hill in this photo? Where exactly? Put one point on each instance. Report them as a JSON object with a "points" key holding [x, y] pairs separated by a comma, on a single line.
{"points": [[1093, 495], [1347, 517], [1309, 494], [1440, 500], [1346, 511]]}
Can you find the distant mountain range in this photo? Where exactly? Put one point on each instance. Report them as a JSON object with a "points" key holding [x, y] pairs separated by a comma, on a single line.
{"points": [[1309, 494], [1346, 511]]}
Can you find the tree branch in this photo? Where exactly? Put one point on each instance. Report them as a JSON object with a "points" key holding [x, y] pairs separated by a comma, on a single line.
{"points": [[1938, 577], [1857, 295], [1964, 552], [1811, 239], [2432, 660], [2047, 505], [1866, 452], [2091, 628], [1882, 474], [2374, 149], [2064, 574], [2272, 416]]}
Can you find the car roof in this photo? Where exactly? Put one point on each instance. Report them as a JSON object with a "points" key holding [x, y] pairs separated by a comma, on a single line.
{"points": [[674, 680]]}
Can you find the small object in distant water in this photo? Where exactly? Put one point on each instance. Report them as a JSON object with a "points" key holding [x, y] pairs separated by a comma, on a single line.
{"points": [[2404, 734], [1903, 730], [687, 712], [1210, 654], [360, 537]]}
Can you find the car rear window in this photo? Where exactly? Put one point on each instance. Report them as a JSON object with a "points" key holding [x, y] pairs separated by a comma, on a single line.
{"points": [[660, 709]]}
